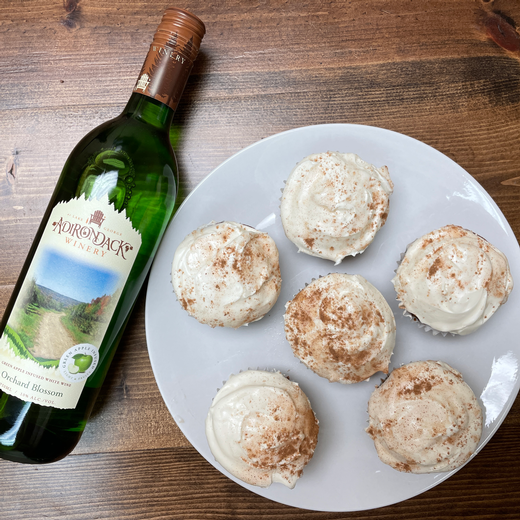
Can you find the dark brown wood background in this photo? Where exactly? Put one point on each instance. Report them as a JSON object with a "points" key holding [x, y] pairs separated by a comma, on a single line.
{"points": [[446, 72]]}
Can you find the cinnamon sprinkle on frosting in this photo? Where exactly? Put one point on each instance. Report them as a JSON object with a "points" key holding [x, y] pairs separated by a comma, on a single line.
{"points": [[226, 274], [452, 280], [341, 327], [424, 418], [333, 204], [261, 428]]}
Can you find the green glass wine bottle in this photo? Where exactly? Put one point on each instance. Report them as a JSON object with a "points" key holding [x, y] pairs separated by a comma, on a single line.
{"points": [[92, 252]]}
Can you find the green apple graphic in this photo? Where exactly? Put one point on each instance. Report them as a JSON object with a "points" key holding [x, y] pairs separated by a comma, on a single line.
{"points": [[83, 362]]}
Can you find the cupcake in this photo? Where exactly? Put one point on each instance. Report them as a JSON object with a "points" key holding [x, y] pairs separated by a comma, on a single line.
{"points": [[341, 327], [424, 418], [334, 203], [226, 274], [261, 428], [452, 280]]}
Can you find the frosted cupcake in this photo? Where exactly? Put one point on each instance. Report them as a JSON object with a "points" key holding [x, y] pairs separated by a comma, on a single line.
{"points": [[334, 203], [452, 280], [424, 418], [261, 428], [226, 274], [341, 327]]}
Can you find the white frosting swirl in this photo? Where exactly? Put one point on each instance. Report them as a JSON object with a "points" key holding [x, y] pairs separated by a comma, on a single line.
{"points": [[424, 418], [226, 274], [341, 327], [452, 280], [261, 428], [334, 203]]}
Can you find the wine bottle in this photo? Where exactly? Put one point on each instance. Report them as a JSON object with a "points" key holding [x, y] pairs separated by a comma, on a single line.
{"points": [[92, 252]]}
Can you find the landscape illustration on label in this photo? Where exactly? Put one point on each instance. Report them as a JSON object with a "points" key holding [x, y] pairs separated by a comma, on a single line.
{"points": [[64, 303]]}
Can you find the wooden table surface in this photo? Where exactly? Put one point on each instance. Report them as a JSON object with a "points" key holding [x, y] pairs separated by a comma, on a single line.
{"points": [[446, 72]]}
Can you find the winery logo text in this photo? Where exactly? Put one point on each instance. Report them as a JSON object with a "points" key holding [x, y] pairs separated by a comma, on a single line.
{"points": [[101, 244], [169, 54]]}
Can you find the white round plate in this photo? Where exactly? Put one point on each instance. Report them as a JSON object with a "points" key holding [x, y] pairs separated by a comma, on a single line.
{"points": [[190, 361]]}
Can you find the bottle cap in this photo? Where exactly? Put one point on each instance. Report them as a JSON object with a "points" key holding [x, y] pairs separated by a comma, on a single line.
{"points": [[177, 28], [170, 58]]}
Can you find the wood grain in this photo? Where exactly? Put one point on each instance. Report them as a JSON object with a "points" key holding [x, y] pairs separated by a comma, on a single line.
{"points": [[179, 484], [444, 72]]}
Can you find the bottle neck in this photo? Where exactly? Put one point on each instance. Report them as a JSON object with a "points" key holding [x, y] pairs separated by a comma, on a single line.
{"points": [[148, 110]]}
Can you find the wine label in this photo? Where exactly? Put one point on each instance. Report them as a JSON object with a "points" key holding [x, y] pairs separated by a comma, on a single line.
{"points": [[165, 72], [50, 345]]}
